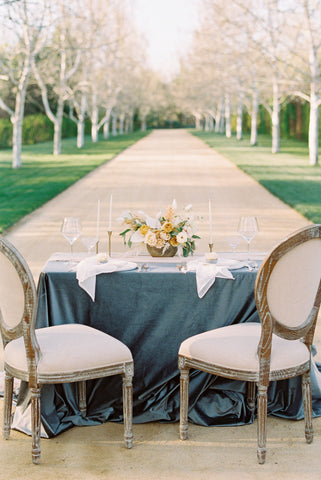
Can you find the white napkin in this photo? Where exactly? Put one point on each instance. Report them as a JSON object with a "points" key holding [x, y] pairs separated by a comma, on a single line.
{"points": [[206, 274], [86, 274]]}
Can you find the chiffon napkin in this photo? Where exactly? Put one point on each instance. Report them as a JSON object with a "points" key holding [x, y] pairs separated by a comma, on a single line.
{"points": [[86, 273], [206, 274]]}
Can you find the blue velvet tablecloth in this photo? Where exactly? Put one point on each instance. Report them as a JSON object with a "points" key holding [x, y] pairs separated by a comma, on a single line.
{"points": [[152, 312]]}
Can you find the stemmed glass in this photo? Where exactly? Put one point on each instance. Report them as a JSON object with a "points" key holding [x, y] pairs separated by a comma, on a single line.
{"points": [[71, 230], [248, 229], [233, 241], [89, 242]]}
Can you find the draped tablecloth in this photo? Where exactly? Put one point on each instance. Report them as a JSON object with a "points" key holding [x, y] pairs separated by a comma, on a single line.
{"points": [[152, 312]]}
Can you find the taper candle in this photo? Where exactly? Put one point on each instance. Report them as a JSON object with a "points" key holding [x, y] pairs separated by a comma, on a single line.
{"points": [[210, 219], [110, 211], [98, 220]]}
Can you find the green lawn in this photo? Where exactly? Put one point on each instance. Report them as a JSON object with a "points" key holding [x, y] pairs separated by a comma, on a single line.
{"points": [[43, 175], [287, 174]]}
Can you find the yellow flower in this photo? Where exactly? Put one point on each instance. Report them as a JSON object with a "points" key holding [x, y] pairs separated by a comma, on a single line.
{"points": [[173, 241], [160, 243], [167, 227], [144, 229], [169, 215]]}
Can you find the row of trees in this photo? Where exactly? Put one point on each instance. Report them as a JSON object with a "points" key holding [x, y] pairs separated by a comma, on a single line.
{"points": [[249, 53], [86, 59]]}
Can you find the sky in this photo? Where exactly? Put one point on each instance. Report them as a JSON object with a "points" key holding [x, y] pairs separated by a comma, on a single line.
{"points": [[168, 26]]}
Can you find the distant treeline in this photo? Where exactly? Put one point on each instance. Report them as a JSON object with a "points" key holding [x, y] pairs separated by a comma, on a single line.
{"points": [[38, 128]]}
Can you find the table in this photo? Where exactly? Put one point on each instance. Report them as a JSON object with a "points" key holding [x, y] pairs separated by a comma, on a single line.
{"points": [[152, 312]]}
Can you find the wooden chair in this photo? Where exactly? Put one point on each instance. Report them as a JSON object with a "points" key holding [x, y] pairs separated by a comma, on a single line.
{"points": [[59, 354], [288, 295]]}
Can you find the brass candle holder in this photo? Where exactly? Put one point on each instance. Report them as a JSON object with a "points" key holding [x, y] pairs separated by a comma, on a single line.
{"points": [[211, 247], [97, 247], [109, 241]]}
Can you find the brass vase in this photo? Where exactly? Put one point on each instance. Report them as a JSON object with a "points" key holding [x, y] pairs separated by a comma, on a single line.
{"points": [[161, 252]]}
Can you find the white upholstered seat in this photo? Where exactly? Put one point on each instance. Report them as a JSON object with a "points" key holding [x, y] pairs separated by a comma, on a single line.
{"points": [[59, 354], [68, 349], [288, 296], [235, 347]]}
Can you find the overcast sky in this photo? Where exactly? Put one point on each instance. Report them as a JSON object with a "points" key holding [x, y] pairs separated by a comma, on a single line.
{"points": [[168, 26]]}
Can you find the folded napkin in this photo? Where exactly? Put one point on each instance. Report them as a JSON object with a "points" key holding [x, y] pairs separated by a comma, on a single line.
{"points": [[87, 270], [206, 274]]}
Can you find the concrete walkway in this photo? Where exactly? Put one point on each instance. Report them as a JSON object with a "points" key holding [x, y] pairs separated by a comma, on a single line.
{"points": [[147, 176]]}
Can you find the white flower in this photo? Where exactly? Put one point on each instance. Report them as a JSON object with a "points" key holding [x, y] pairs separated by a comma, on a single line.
{"points": [[150, 239], [188, 208], [181, 237], [137, 237]]}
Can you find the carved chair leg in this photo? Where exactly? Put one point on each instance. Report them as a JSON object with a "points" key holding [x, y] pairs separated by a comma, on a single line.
{"points": [[35, 423], [251, 389], [8, 392], [128, 405], [184, 388], [262, 421], [307, 404], [82, 398]]}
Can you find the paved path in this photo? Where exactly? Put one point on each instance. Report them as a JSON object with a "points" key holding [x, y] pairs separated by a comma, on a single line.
{"points": [[166, 164], [147, 176]]}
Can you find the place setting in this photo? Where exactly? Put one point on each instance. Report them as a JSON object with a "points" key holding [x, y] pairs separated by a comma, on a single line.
{"points": [[164, 243]]}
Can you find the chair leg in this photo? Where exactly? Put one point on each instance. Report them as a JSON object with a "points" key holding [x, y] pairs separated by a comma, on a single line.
{"points": [[128, 404], [262, 421], [8, 393], [35, 424], [251, 389], [184, 387], [82, 398], [307, 404]]}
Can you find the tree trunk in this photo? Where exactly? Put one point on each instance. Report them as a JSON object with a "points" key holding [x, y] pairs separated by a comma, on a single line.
{"points": [[314, 126], [80, 133], [254, 115], [239, 119], [143, 125], [17, 120], [218, 118], [121, 123], [94, 119], [58, 127], [114, 124], [228, 130], [106, 130], [276, 118]]}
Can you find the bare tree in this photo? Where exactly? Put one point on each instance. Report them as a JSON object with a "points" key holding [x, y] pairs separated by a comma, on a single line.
{"points": [[22, 26], [56, 65]]}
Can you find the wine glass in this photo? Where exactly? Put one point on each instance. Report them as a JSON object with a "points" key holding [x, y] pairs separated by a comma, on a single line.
{"points": [[71, 230], [233, 241], [248, 228], [89, 242]]}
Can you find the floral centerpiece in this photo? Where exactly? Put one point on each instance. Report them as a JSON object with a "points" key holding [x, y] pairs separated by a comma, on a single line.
{"points": [[162, 234]]}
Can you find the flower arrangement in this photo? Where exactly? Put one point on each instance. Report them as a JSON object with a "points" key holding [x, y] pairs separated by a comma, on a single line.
{"points": [[163, 231]]}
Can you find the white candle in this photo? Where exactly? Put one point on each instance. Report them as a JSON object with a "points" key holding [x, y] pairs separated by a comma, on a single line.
{"points": [[210, 218], [110, 210], [98, 219]]}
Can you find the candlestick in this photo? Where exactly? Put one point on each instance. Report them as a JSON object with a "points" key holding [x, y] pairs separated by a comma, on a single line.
{"points": [[97, 247], [98, 220], [210, 219], [211, 245], [109, 241], [110, 211]]}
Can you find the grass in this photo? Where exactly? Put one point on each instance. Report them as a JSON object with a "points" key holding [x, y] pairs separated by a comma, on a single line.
{"points": [[287, 174], [43, 175]]}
